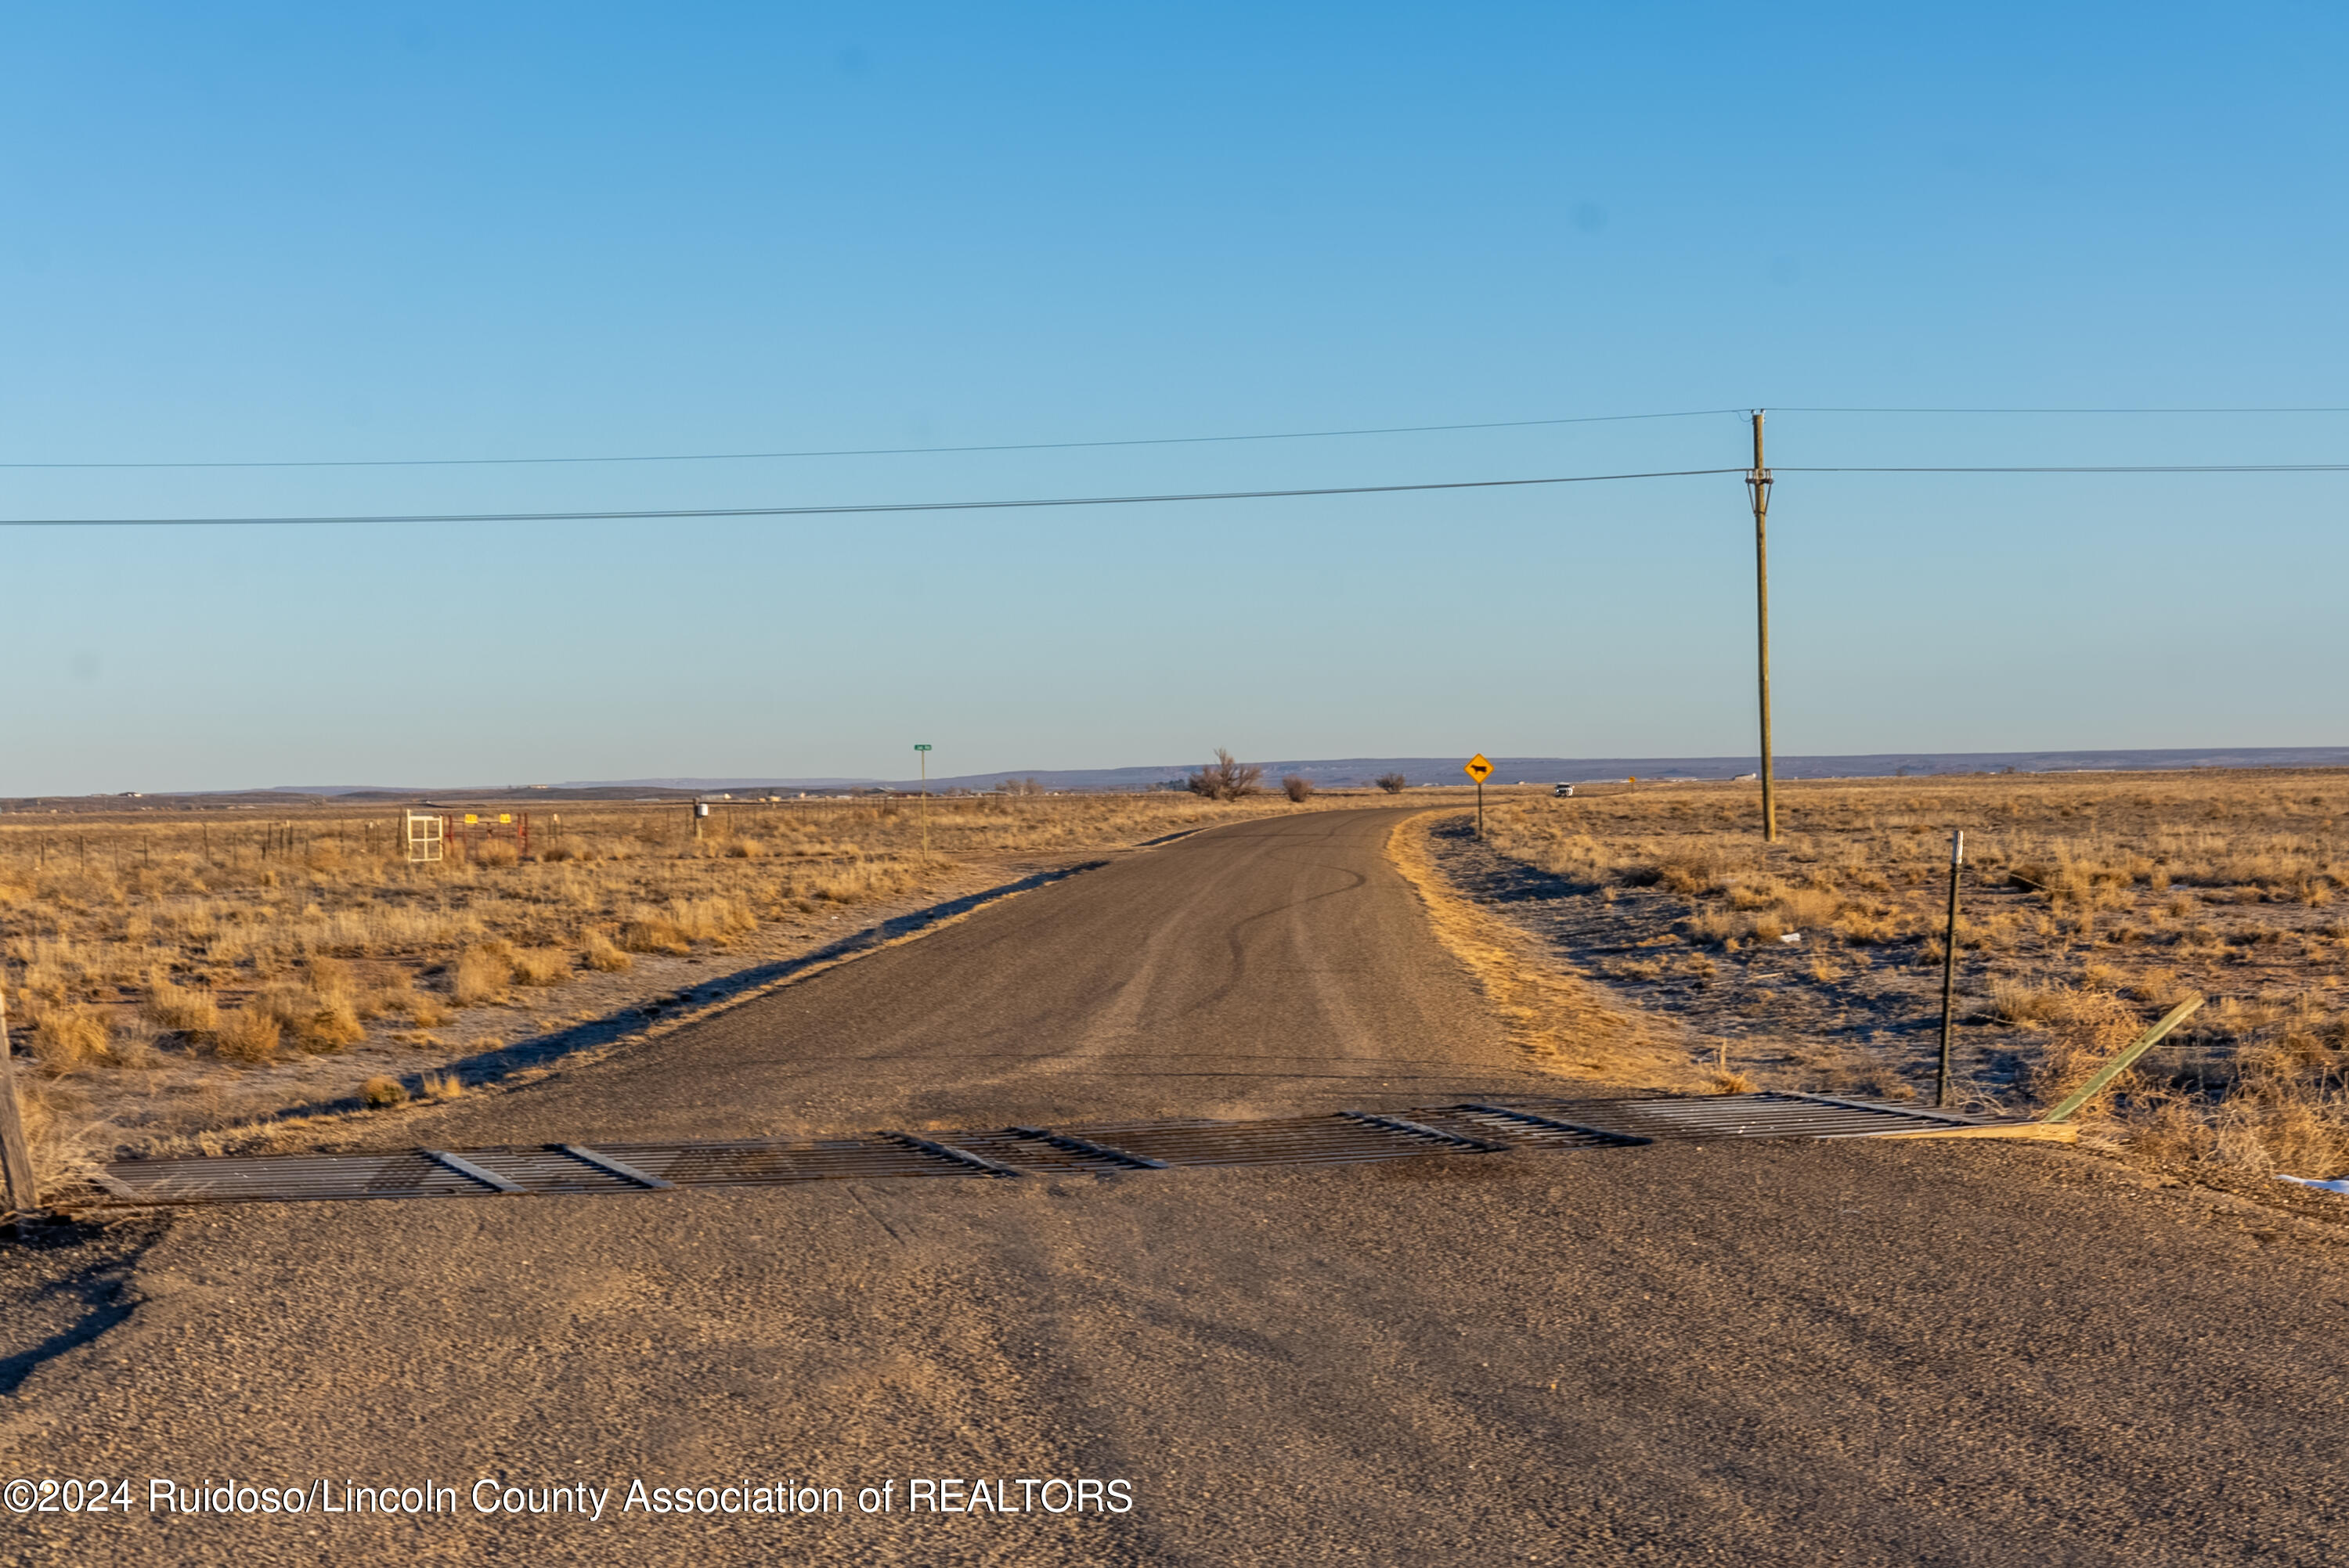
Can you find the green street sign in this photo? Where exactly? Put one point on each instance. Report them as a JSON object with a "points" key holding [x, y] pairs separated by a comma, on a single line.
{"points": [[918, 747]]}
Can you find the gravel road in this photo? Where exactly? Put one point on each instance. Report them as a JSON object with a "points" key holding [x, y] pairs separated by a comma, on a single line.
{"points": [[1799, 1353]]}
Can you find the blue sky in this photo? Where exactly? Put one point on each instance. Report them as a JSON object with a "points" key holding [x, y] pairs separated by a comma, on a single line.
{"points": [[295, 233]]}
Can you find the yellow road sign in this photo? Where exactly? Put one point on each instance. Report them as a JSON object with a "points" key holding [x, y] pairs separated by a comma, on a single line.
{"points": [[472, 817], [505, 816], [1477, 767]]}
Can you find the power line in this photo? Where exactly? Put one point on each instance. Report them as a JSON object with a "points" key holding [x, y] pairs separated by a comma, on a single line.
{"points": [[2091, 468], [654, 514], [1082, 446], [1803, 410], [883, 451], [680, 512]]}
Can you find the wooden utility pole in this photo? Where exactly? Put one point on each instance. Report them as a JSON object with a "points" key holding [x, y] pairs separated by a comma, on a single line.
{"points": [[922, 751], [16, 1155], [1757, 484]]}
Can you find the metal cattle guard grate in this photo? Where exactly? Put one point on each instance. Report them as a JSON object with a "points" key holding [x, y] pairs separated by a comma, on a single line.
{"points": [[1342, 1137]]}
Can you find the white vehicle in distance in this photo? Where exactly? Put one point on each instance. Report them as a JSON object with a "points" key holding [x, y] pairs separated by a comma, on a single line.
{"points": [[1563, 791]]}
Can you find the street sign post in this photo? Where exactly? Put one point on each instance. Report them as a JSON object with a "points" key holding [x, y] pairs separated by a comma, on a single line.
{"points": [[1478, 769]]}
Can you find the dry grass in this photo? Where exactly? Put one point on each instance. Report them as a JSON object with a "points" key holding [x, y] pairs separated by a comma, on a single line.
{"points": [[247, 1034], [178, 970], [482, 974], [2093, 902], [601, 955], [68, 1038], [1566, 1026]]}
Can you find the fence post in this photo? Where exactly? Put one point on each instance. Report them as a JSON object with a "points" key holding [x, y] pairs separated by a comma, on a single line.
{"points": [[1950, 967], [16, 1155], [2121, 1060]]}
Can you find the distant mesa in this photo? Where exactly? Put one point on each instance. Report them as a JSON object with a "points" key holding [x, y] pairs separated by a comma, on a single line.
{"points": [[1340, 773]]}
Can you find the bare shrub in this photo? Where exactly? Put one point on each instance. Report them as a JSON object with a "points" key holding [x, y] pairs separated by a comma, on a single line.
{"points": [[247, 1034], [182, 1007], [1227, 779], [133, 1042], [1298, 787], [2017, 1002], [68, 1038], [308, 1021], [1693, 874], [541, 965], [1809, 909], [2084, 1028], [1713, 925], [330, 1024], [382, 1092], [1727, 1082], [653, 933], [442, 1086], [1866, 928], [481, 974], [1393, 783], [399, 996], [718, 920], [329, 977], [603, 957]]}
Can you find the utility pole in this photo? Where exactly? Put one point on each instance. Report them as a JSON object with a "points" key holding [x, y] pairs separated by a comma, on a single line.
{"points": [[1757, 484], [923, 752]]}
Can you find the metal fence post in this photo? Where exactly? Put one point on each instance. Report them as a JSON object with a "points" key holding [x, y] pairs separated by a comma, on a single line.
{"points": [[1950, 967]]}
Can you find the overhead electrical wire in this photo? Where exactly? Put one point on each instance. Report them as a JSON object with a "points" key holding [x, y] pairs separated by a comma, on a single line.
{"points": [[1082, 446], [857, 508], [838, 511], [1794, 410], [2080, 469], [883, 451]]}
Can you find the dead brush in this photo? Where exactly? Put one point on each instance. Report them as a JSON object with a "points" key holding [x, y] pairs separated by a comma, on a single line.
{"points": [[541, 965], [247, 1034], [2084, 1028], [1808, 908], [182, 1007], [65, 1039], [653, 932], [399, 997], [1714, 925], [308, 1021], [63, 1139], [481, 974], [599, 954], [1868, 927], [1693, 874], [712, 920]]}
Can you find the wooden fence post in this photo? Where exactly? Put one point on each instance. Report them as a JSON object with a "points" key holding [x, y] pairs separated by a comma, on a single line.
{"points": [[16, 1155]]}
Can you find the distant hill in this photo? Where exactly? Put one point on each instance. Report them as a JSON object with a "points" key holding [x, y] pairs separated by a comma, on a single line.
{"points": [[1576, 769], [1445, 770]]}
